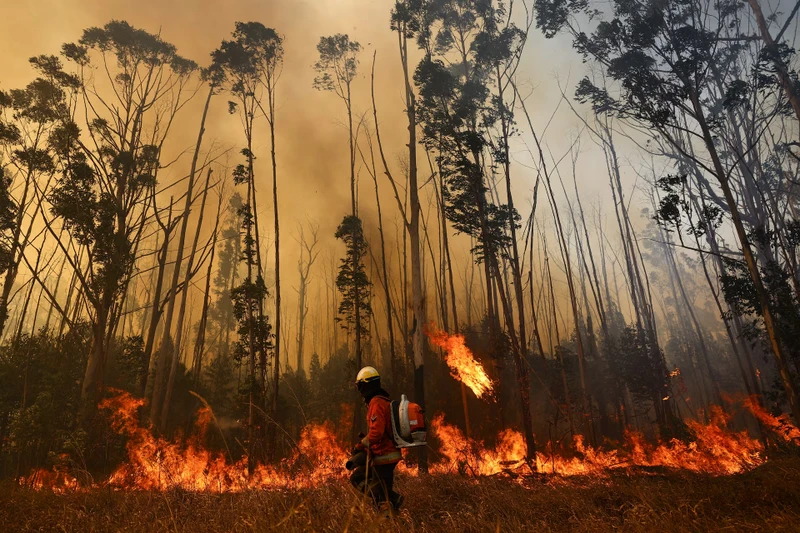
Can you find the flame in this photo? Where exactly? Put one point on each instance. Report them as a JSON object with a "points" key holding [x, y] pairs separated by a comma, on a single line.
{"points": [[156, 464], [716, 450], [780, 425], [55, 480], [462, 363]]}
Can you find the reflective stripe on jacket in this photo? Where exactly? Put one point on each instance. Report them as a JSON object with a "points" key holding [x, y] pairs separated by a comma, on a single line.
{"points": [[379, 437]]}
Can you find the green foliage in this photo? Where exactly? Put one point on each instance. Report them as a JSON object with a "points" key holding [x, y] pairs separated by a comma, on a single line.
{"points": [[352, 280], [219, 385], [251, 59], [408, 17], [331, 390], [640, 365], [455, 81], [740, 293], [8, 212], [127, 362], [100, 196], [131, 47], [337, 65], [247, 299], [40, 378]]}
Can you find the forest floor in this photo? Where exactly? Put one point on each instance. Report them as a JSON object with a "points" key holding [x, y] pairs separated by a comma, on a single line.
{"points": [[766, 499]]}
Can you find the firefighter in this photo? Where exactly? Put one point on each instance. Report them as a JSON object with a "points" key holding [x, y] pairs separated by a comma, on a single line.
{"points": [[382, 453]]}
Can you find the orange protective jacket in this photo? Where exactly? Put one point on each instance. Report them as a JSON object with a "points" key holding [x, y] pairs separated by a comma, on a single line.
{"points": [[379, 437]]}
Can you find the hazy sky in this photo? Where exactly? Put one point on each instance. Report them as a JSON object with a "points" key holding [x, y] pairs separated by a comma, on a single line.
{"points": [[311, 131]]}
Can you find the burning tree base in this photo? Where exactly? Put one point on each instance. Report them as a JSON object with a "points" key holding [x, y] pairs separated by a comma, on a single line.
{"points": [[154, 464]]}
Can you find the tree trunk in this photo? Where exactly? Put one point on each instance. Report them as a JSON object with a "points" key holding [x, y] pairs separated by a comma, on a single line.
{"points": [[182, 311], [156, 307], [155, 401], [199, 345], [417, 297], [276, 370], [585, 401], [752, 267], [782, 70], [386, 295], [17, 249]]}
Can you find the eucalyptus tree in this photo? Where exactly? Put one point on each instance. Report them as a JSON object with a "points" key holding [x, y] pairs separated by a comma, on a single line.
{"points": [[779, 54], [336, 69], [266, 47], [30, 121], [213, 77], [251, 62], [191, 270], [665, 61], [109, 155], [158, 301], [459, 39], [406, 21]]}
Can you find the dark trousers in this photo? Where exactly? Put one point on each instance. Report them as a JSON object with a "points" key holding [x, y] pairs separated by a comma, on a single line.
{"points": [[385, 490], [381, 483]]}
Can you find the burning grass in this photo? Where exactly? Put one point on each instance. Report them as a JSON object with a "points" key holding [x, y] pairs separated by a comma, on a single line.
{"points": [[155, 464], [637, 500], [715, 450], [720, 480]]}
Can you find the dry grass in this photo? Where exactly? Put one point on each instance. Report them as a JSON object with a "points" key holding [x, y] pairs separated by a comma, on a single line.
{"points": [[767, 499]]}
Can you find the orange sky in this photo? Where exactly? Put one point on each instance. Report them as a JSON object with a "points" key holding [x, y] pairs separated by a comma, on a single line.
{"points": [[311, 132]]}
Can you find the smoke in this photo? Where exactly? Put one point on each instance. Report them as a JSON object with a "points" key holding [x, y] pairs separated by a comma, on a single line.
{"points": [[311, 128]]}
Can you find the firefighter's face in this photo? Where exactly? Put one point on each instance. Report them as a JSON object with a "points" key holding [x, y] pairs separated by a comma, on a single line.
{"points": [[365, 387]]}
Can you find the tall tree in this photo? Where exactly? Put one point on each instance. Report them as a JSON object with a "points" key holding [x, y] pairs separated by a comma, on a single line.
{"points": [[455, 78], [102, 197], [213, 75], [405, 22], [336, 69], [30, 120], [661, 57], [251, 61]]}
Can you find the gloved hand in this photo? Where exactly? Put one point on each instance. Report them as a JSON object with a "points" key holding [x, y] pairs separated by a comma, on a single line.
{"points": [[359, 447]]}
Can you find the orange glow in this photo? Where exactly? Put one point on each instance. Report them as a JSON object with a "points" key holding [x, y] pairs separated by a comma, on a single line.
{"points": [[54, 480], [780, 425], [155, 464], [716, 450], [462, 363]]}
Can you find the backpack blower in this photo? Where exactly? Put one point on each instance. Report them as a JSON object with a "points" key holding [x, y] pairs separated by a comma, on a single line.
{"points": [[408, 423]]}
